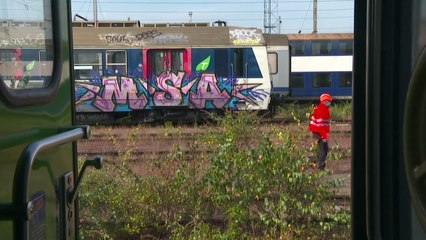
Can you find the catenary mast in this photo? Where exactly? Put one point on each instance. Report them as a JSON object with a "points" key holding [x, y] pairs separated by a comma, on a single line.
{"points": [[271, 20]]}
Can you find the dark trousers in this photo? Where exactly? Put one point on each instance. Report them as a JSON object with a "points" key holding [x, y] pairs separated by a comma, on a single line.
{"points": [[323, 150]]}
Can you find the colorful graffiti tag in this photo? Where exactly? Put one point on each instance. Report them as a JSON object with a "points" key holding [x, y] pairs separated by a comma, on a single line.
{"points": [[201, 91], [245, 37]]}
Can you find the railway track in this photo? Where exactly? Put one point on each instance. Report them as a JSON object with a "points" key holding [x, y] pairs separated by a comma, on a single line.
{"points": [[145, 146], [109, 140]]}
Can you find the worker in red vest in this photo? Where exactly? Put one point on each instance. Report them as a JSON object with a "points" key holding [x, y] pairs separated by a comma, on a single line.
{"points": [[320, 127]]}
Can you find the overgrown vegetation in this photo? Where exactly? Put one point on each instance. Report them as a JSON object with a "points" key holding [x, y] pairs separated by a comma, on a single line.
{"points": [[243, 183], [340, 111]]}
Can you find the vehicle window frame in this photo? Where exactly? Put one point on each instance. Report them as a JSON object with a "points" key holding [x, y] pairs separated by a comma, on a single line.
{"points": [[345, 43], [84, 66], [321, 47], [121, 64], [36, 96], [317, 82], [160, 60], [298, 48], [343, 79], [297, 80], [272, 66]]}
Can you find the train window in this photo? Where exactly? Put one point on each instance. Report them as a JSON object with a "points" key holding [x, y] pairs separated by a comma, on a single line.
{"points": [[298, 48], [345, 47], [86, 63], [157, 62], [221, 62], [297, 80], [345, 79], [177, 61], [321, 47], [116, 62], [238, 64], [45, 68], [273, 62], [166, 60], [320, 80], [21, 42]]}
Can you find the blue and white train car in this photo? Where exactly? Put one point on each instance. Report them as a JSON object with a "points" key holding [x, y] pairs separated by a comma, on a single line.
{"points": [[321, 63]]}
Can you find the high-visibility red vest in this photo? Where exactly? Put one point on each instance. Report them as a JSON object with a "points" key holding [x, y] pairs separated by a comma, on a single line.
{"points": [[320, 121]]}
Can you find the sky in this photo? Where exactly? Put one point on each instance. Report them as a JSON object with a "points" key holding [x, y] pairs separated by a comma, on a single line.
{"points": [[334, 16]]}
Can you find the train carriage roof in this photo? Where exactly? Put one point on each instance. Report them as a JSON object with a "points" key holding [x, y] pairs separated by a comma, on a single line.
{"points": [[276, 39], [320, 36], [137, 37], [24, 35]]}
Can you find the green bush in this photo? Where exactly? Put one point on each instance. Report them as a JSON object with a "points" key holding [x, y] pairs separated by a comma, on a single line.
{"points": [[340, 111], [245, 184]]}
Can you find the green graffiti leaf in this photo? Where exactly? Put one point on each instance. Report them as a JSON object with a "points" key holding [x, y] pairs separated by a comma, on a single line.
{"points": [[202, 66], [30, 66]]}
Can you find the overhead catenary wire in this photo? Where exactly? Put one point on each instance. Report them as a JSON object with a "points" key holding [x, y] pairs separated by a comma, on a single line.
{"points": [[209, 3], [216, 11], [248, 15], [306, 15]]}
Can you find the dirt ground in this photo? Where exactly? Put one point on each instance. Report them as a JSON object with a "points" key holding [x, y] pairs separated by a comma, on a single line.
{"points": [[149, 143], [342, 168]]}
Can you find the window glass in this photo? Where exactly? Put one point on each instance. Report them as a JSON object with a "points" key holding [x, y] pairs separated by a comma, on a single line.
{"points": [[273, 62], [297, 48], [238, 64], [297, 80], [116, 62], [321, 80], [157, 60], [24, 32], [44, 67], [221, 63], [177, 61], [165, 60], [345, 47], [86, 63], [321, 47], [345, 79]]}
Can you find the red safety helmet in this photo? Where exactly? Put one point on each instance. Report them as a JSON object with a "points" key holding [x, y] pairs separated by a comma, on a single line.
{"points": [[325, 97]]}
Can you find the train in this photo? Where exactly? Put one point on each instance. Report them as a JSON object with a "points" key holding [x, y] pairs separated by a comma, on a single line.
{"points": [[269, 69], [157, 71], [321, 62], [40, 174], [177, 70]]}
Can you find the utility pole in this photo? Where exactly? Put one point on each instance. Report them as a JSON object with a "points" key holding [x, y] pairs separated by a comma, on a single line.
{"points": [[190, 16], [270, 16], [315, 16], [95, 11]]}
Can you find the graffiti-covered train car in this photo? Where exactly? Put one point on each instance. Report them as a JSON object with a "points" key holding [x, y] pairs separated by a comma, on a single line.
{"points": [[161, 70]]}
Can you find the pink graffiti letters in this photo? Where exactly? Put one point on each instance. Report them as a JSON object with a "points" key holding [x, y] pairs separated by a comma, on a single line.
{"points": [[170, 86], [209, 91], [127, 92], [166, 90]]}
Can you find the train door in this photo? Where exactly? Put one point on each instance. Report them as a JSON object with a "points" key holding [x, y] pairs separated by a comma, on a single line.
{"points": [[279, 65], [38, 165], [389, 120], [166, 72], [239, 65]]}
